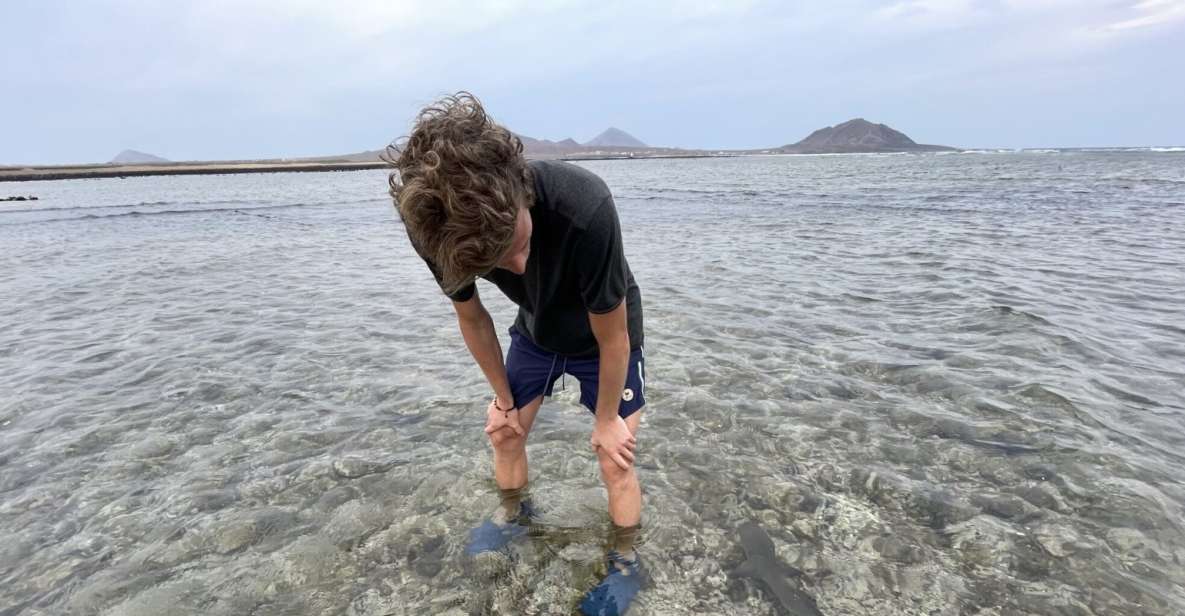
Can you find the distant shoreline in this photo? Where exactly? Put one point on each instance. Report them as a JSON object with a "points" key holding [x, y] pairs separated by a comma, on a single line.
{"points": [[81, 172], [579, 157], [32, 173]]}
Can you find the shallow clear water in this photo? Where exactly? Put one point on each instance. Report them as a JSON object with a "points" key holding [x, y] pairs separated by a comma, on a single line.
{"points": [[943, 384]]}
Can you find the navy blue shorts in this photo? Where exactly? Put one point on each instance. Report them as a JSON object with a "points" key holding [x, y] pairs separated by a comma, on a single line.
{"points": [[533, 371]]}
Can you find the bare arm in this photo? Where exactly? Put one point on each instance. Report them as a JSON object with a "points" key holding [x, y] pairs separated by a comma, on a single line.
{"points": [[477, 327], [613, 340]]}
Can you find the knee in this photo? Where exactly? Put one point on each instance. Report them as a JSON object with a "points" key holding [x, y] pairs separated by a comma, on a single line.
{"points": [[612, 474], [507, 442]]}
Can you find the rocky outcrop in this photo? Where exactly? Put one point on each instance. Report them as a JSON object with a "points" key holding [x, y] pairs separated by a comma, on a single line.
{"points": [[615, 138], [133, 157], [858, 135]]}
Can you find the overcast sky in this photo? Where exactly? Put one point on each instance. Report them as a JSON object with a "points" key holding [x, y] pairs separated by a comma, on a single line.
{"points": [[225, 79]]}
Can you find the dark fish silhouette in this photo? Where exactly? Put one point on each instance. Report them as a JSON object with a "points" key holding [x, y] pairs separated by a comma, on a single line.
{"points": [[763, 565]]}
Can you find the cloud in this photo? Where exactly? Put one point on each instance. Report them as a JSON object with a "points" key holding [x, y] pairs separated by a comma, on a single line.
{"points": [[1059, 19], [233, 78], [929, 13], [1151, 13]]}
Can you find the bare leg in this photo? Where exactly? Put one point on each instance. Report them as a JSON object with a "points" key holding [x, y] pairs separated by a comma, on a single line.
{"points": [[625, 576], [625, 494], [510, 457]]}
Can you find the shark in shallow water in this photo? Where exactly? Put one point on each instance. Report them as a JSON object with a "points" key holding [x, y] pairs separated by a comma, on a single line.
{"points": [[763, 565]]}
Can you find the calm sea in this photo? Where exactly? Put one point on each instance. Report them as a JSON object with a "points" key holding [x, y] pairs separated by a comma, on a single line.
{"points": [[944, 384]]}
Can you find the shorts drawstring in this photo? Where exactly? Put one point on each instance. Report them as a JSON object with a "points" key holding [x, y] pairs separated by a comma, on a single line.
{"points": [[563, 373], [550, 372]]}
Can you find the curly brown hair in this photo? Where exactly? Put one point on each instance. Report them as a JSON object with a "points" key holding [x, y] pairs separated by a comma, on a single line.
{"points": [[459, 181]]}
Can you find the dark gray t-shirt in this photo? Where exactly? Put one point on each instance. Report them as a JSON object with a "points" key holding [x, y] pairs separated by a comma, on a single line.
{"points": [[576, 265]]}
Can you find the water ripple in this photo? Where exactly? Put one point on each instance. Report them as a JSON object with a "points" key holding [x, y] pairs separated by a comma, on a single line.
{"points": [[944, 384]]}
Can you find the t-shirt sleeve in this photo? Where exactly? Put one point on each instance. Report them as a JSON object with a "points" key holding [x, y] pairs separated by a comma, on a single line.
{"points": [[600, 261], [463, 294]]}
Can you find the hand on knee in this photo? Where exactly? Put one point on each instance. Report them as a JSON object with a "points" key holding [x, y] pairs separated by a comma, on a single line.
{"points": [[507, 440], [611, 473]]}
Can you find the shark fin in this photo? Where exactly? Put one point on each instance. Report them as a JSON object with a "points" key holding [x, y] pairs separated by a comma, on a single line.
{"points": [[747, 569]]}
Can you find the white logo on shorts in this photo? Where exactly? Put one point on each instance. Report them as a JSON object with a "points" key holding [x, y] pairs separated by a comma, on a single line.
{"points": [[627, 395]]}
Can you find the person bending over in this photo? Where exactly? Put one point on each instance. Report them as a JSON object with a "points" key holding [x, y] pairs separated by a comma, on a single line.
{"points": [[547, 234]]}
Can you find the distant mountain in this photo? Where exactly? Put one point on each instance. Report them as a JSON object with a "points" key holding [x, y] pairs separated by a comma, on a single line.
{"points": [[858, 135], [612, 142], [615, 138], [132, 157], [362, 157], [547, 147]]}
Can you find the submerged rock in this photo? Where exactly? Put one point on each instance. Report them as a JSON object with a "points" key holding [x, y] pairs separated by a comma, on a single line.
{"points": [[152, 446], [1126, 540], [353, 468], [1061, 541], [213, 500], [893, 548], [1041, 472], [983, 542], [235, 536], [1007, 507], [938, 508], [1041, 495], [868, 482]]}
